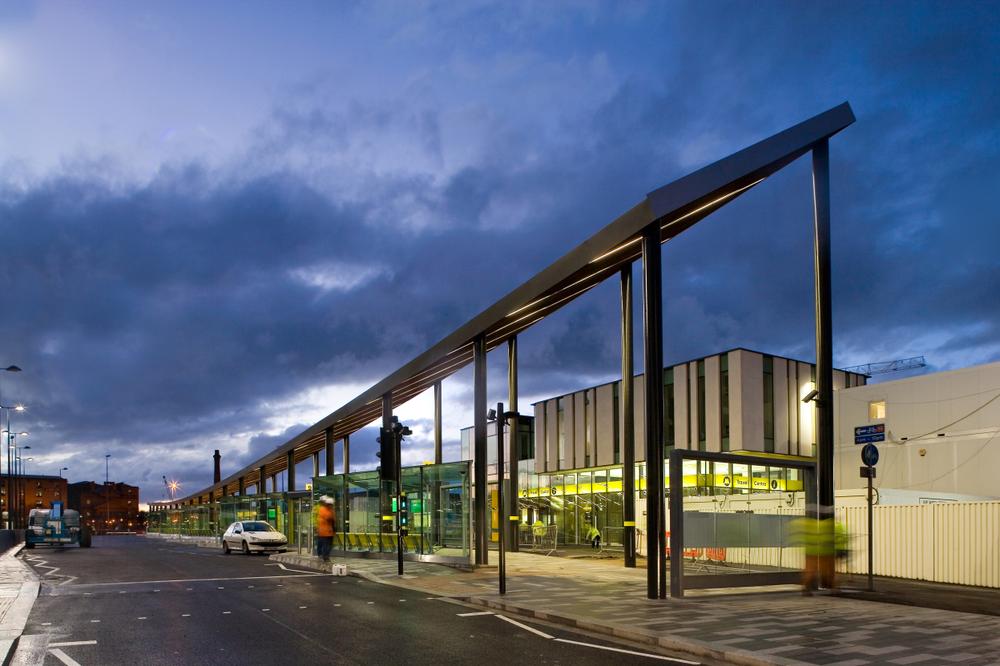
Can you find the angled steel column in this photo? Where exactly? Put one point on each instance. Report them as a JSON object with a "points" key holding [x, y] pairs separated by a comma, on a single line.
{"points": [[652, 295], [824, 345], [511, 521], [328, 445], [262, 480], [438, 437], [347, 454], [242, 488], [290, 470], [481, 514], [315, 464], [627, 420]]}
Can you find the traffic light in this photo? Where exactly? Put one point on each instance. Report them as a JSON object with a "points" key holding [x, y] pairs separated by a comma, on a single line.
{"points": [[387, 454], [404, 514]]}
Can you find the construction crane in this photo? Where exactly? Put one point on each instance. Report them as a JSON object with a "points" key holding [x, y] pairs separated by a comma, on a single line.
{"points": [[171, 487], [882, 367]]}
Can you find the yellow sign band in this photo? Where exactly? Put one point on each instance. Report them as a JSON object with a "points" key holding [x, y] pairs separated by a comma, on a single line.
{"points": [[387, 517], [515, 517], [629, 523]]}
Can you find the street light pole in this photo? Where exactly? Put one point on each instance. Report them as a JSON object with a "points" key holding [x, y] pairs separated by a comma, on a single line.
{"points": [[10, 485], [107, 494]]}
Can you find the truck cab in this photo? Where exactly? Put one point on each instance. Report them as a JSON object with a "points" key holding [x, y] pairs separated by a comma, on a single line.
{"points": [[55, 527]]}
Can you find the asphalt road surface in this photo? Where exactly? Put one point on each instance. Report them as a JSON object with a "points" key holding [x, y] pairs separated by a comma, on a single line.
{"points": [[132, 600]]}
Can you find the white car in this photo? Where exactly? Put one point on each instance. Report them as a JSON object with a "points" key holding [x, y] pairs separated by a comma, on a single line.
{"points": [[253, 536]]}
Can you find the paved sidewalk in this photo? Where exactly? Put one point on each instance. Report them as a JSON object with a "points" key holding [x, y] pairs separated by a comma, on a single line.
{"points": [[18, 591], [762, 627]]}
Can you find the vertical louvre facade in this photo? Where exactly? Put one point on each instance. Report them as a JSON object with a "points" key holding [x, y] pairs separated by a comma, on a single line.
{"points": [[739, 400]]}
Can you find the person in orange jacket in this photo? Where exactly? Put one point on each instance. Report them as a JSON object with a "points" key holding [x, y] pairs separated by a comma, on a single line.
{"points": [[324, 527]]}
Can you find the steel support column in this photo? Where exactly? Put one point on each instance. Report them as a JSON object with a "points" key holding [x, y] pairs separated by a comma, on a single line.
{"points": [[824, 346], [290, 471], [481, 514], [347, 454], [315, 464], [328, 445], [627, 420], [511, 521], [262, 480], [652, 307], [242, 487], [438, 435]]}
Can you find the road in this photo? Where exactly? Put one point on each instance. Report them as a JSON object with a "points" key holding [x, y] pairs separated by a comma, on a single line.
{"points": [[133, 600]]}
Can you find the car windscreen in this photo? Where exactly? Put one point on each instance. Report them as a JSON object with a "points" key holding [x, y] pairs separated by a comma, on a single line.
{"points": [[257, 527]]}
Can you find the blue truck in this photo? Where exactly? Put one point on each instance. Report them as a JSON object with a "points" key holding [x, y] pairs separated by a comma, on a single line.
{"points": [[55, 527]]}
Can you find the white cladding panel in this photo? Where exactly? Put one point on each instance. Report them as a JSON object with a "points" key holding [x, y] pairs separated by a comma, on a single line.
{"points": [[539, 436], [781, 403], [713, 397], [604, 412], [692, 370], [807, 411], [681, 432], [639, 389], [751, 391], [552, 435], [569, 422], [579, 429]]}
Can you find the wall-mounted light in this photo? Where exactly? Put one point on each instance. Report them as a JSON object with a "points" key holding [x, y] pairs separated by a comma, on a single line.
{"points": [[809, 397]]}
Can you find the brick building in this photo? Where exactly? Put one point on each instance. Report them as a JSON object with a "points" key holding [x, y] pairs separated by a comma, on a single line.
{"points": [[111, 507], [37, 491]]}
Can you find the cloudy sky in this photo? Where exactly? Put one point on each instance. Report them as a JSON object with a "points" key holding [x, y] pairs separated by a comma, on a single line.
{"points": [[221, 221]]}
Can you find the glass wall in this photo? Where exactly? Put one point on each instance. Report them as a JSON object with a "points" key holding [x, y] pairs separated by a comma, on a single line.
{"points": [[439, 522]]}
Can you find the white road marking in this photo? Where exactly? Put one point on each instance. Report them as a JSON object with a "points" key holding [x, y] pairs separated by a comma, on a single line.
{"points": [[284, 568], [63, 657], [624, 651], [218, 588], [336, 605], [402, 599], [121, 591], [94, 621], [46, 624], [227, 612], [525, 627], [371, 603], [301, 607], [265, 609], [474, 614], [69, 643], [141, 618], [201, 580], [185, 614]]}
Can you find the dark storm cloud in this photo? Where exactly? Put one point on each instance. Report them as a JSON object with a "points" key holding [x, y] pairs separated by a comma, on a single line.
{"points": [[157, 317]]}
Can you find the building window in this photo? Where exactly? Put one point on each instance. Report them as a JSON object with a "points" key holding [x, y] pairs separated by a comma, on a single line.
{"points": [[561, 429], [724, 399], [587, 440], [876, 410], [768, 404], [702, 434], [668, 409]]}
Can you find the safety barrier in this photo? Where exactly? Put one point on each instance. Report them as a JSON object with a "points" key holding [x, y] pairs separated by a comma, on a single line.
{"points": [[946, 542]]}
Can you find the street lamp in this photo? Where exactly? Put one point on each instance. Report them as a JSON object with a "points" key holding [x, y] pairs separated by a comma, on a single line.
{"points": [[61, 470]]}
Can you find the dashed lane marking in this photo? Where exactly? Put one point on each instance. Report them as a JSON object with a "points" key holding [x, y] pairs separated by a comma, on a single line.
{"points": [[265, 609], [624, 651], [63, 657], [525, 627], [474, 614], [227, 612], [185, 614], [142, 618], [94, 621], [202, 580], [71, 643], [302, 607]]}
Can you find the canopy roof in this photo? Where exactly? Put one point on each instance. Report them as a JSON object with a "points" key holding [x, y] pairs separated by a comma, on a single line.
{"points": [[676, 206]]}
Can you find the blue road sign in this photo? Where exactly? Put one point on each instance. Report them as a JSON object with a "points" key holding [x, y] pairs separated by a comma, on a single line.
{"points": [[869, 455], [871, 433]]}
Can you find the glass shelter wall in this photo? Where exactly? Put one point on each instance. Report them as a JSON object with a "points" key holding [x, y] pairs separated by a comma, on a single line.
{"points": [[439, 512]]}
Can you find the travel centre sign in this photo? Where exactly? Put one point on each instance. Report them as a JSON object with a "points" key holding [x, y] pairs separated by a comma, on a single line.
{"points": [[732, 481]]}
